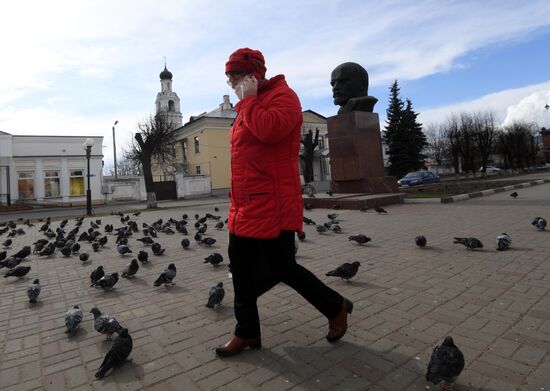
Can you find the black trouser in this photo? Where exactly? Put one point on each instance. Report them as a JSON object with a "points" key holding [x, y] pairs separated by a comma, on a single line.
{"points": [[258, 265]]}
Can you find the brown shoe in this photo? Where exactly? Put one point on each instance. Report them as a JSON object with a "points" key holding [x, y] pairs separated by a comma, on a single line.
{"points": [[236, 345], [337, 327]]}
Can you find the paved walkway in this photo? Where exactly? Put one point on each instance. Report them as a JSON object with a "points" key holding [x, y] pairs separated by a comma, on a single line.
{"points": [[496, 305]]}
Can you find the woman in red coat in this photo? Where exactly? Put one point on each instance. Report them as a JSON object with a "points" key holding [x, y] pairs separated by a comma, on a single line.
{"points": [[266, 202]]}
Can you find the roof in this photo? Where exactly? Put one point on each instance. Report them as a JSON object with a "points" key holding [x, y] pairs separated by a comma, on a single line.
{"points": [[4, 133], [314, 113]]}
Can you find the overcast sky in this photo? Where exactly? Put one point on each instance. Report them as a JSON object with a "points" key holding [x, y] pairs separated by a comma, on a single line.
{"points": [[74, 67]]}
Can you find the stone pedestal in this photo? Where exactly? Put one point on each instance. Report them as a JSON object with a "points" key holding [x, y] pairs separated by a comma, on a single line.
{"points": [[356, 162]]}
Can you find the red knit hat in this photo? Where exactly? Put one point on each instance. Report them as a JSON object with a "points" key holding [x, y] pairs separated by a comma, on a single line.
{"points": [[247, 60]]}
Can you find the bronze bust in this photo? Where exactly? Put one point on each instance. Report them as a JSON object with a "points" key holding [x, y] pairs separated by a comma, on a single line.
{"points": [[350, 84]]}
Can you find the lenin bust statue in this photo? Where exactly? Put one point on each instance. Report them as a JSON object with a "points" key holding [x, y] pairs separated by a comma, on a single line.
{"points": [[350, 84]]}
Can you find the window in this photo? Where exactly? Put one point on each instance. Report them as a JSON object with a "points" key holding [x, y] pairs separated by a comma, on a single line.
{"points": [[77, 183], [197, 149], [25, 184], [198, 170], [184, 144], [51, 184]]}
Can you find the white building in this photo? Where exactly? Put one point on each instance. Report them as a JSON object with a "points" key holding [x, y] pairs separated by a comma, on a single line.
{"points": [[49, 169]]}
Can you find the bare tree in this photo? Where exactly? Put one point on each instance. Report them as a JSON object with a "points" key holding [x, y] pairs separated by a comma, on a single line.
{"points": [[153, 144], [452, 134], [437, 147], [484, 129]]}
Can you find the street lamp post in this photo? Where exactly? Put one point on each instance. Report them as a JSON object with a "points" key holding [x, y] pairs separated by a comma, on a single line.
{"points": [[88, 148], [114, 149]]}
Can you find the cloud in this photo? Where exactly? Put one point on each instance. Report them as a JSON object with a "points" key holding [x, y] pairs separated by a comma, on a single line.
{"points": [[507, 105], [531, 109]]}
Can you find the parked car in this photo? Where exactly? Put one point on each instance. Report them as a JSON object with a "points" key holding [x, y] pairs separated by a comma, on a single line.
{"points": [[490, 169], [418, 178]]}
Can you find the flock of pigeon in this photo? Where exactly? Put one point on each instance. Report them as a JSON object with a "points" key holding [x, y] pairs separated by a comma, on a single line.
{"points": [[446, 362], [58, 241]]}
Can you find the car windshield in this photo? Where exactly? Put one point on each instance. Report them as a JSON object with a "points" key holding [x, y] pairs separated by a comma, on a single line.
{"points": [[413, 175]]}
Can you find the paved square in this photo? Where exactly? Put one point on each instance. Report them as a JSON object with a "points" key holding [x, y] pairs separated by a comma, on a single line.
{"points": [[496, 305]]}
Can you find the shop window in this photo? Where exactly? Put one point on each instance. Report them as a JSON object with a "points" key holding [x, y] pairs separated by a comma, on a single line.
{"points": [[25, 184], [76, 183], [51, 184]]}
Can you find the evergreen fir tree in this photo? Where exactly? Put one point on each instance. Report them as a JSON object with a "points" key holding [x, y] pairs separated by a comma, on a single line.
{"points": [[416, 138], [403, 135]]}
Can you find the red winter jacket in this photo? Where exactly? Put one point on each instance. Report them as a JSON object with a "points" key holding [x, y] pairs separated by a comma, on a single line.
{"points": [[265, 192]]}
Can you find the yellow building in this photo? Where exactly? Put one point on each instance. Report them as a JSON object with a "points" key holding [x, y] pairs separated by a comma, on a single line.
{"points": [[202, 146]]}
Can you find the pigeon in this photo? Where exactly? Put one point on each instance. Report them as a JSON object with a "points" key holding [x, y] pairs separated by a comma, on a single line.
{"points": [[102, 241], [19, 272], [73, 317], [219, 225], [84, 257], [10, 262], [514, 194], [329, 193], [146, 240], [446, 363], [33, 290], [308, 221], [83, 236], [470, 243], [131, 269], [332, 216], [136, 214], [215, 296], [108, 228], [185, 243], [380, 210], [38, 246], [105, 324], [143, 256], [122, 241], [215, 259], [308, 206], [23, 253], [66, 251], [95, 246], [157, 249], [503, 242], [121, 349], [108, 281], [48, 250], [167, 276], [123, 249], [420, 241], [7, 243], [321, 229], [208, 241], [336, 228], [540, 223], [75, 248], [216, 209], [345, 271], [96, 275], [360, 239]]}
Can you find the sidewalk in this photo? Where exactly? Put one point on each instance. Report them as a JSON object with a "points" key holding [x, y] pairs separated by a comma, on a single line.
{"points": [[406, 300]]}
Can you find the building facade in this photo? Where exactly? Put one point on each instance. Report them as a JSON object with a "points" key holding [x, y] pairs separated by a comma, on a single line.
{"points": [[49, 169]]}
